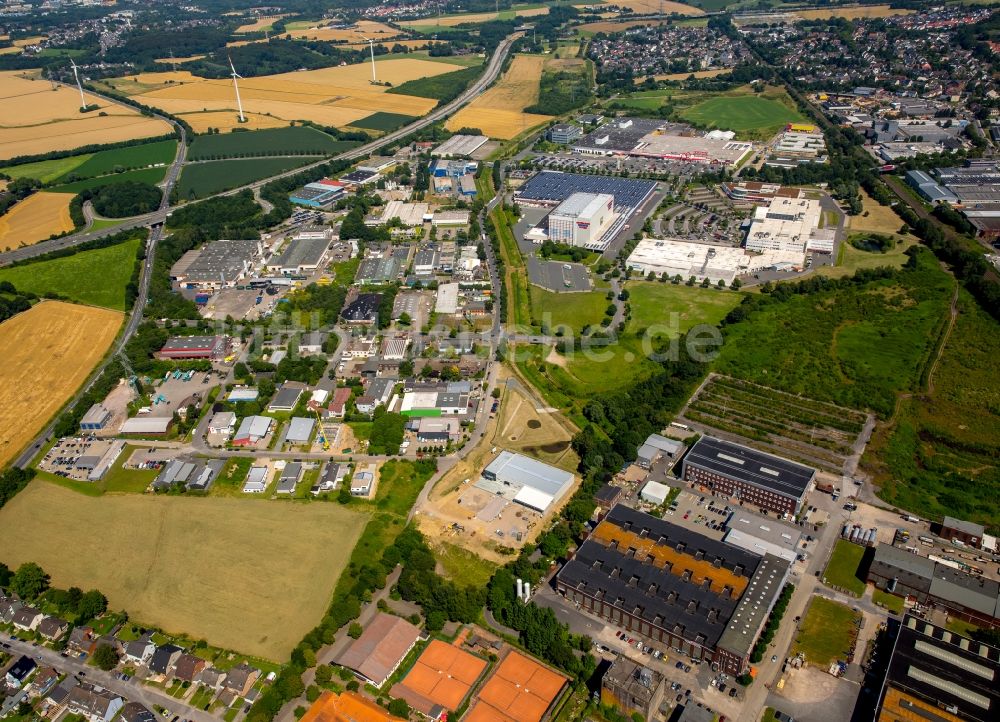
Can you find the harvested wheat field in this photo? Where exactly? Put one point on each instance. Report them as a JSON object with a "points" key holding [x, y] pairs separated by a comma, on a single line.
{"points": [[611, 27], [852, 13], [226, 120], [34, 219], [329, 96], [35, 118], [653, 7], [259, 25], [498, 111], [367, 28], [49, 351], [25, 42], [179, 61], [244, 575], [696, 73], [453, 20], [10, 50]]}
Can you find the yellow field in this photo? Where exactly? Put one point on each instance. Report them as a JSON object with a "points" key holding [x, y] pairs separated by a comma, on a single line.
{"points": [[226, 120], [188, 59], [610, 27], [35, 118], [10, 50], [852, 13], [249, 575], [25, 42], [34, 219], [497, 112], [330, 96], [367, 28], [259, 24], [685, 76], [452, 20], [652, 7], [49, 351]]}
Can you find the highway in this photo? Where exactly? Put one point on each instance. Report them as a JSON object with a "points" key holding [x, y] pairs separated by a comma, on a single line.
{"points": [[160, 215], [157, 218]]}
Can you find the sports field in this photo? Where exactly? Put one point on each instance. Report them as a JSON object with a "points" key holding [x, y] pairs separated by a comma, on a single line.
{"points": [[243, 575], [34, 219], [39, 119], [49, 351], [329, 96], [96, 277], [741, 113], [498, 111]]}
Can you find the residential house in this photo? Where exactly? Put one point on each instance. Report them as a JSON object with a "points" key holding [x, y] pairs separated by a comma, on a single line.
{"points": [[240, 679], [338, 403], [27, 619], [43, 682], [135, 712], [188, 667], [81, 640], [140, 651], [289, 478], [95, 703], [52, 628], [164, 659], [57, 696], [211, 677], [19, 671], [9, 603]]}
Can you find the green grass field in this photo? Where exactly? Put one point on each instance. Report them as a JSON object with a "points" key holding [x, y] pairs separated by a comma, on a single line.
{"points": [[103, 162], [96, 277], [576, 310], [295, 140], [741, 113], [248, 576], [203, 179], [654, 303], [399, 482], [385, 122], [943, 455], [856, 347], [439, 86], [151, 176], [463, 566], [825, 633], [889, 601], [842, 569]]}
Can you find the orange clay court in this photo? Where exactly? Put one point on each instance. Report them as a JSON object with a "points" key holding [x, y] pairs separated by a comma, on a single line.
{"points": [[346, 707], [520, 690], [442, 675]]}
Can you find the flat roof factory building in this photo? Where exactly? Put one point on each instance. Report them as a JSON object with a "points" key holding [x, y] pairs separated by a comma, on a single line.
{"points": [[686, 259], [581, 219], [731, 470], [526, 481], [219, 264], [459, 145], [194, 347], [299, 256], [674, 586]]}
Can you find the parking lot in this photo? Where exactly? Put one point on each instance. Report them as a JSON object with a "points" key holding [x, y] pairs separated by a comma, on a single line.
{"points": [[76, 458], [173, 394], [618, 164], [557, 276]]}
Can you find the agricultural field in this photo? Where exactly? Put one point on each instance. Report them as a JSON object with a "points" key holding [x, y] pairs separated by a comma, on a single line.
{"points": [[44, 118], [852, 13], [334, 96], [165, 567], [439, 86], [574, 310], [151, 176], [49, 351], [796, 427], [297, 140], [607, 26], [227, 120], [498, 111], [35, 219], [842, 569], [827, 632], [383, 122], [749, 115], [97, 277], [204, 179], [696, 74], [259, 25], [942, 454], [653, 7], [379, 32], [857, 347], [449, 21], [179, 61]]}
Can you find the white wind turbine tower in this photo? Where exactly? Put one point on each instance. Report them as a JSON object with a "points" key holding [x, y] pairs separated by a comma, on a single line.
{"points": [[76, 74], [371, 46], [239, 103]]}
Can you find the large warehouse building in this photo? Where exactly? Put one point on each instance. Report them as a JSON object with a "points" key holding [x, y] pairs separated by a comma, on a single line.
{"points": [[731, 470], [789, 227], [939, 676], [194, 347], [219, 264], [686, 259], [582, 219], [975, 599], [526, 481], [674, 587]]}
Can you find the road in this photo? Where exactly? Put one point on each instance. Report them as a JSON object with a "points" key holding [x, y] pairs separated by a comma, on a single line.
{"points": [[160, 215], [132, 690]]}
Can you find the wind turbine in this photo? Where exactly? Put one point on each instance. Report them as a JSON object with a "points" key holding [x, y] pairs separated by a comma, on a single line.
{"points": [[239, 103], [371, 46], [76, 74]]}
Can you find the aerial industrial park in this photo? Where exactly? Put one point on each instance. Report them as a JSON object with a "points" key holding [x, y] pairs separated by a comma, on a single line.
{"points": [[389, 362]]}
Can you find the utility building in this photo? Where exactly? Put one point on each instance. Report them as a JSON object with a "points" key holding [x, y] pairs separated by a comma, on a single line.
{"points": [[581, 219]]}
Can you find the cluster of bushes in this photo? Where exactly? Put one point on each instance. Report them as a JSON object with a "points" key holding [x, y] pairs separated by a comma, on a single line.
{"points": [[771, 628], [12, 301], [12, 480], [122, 200], [387, 432], [30, 583], [17, 190]]}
